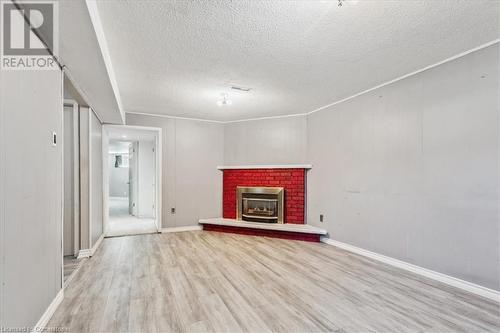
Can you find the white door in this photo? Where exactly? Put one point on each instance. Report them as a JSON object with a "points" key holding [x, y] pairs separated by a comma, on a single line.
{"points": [[147, 177], [132, 178]]}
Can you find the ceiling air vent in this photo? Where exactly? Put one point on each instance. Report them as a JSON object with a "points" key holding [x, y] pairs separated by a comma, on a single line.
{"points": [[241, 88]]}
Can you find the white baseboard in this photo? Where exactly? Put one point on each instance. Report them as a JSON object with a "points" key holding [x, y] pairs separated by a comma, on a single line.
{"points": [[44, 319], [87, 253], [96, 245], [72, 275], [180, 229], [449, 280]]}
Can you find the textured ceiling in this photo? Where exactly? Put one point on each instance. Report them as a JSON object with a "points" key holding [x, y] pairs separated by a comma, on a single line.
{"points": [[177, 57]]}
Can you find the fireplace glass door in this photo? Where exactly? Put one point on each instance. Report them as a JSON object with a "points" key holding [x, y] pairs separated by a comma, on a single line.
{"points": [[260, 204], [260, 208]]}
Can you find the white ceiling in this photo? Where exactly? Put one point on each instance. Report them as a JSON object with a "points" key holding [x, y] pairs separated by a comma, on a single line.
{"points": [[130, 134], [118, 147], [79, 51], [86, 79], [176, 57]]}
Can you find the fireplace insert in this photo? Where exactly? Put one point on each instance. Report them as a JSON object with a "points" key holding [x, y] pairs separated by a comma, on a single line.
{"points": [[260, 204]]}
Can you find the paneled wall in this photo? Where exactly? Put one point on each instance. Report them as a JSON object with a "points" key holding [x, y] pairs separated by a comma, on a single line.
{"points": [[91, 210], [96, 188], [266, 141], [30, 194], [411, 170], [192, 185], [84, 136]]}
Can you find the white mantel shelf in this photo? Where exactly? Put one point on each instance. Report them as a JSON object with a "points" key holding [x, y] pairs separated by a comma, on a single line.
{"points": [[273, 166], [300, 228]]}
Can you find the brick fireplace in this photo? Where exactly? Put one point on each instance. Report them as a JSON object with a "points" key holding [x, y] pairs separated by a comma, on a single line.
{"points": [[293, 181]]}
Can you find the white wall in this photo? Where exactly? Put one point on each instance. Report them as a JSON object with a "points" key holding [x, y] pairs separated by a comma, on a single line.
{"points": [[267, 141], [30, 194], [192, 150], [118, 179], [411, 170], [84, 161], [96, 188]]}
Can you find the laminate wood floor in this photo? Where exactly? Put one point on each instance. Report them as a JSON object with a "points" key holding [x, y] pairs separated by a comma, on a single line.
{"points": [[70, 265], [213, 282]]}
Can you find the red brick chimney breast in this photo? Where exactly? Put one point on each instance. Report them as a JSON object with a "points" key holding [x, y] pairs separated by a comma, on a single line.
{"points": [[292, 180]]}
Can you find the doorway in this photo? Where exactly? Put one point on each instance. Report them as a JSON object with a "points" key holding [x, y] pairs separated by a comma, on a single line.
{"points": [[132, 178]]}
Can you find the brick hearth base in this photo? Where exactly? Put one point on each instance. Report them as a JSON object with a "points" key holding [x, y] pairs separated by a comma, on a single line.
{"points": [[260, 232], [302, 232]]}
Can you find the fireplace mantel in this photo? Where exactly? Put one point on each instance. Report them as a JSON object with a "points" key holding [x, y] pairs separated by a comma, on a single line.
{"points": [[275, 166]]}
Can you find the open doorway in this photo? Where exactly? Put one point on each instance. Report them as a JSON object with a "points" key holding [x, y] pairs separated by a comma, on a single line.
{"points": [[132, 177], [71, 180]]}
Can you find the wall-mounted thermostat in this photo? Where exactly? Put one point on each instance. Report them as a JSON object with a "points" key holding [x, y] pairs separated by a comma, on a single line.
{"points": [[54, 139]]}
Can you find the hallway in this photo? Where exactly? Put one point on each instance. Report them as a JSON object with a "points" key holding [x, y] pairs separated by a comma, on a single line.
{"points": [[122, 223]]}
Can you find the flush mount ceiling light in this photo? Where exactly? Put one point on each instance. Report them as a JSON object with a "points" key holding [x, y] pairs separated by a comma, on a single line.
{"points": [[224, 100], [244, 89], [341, 2]]}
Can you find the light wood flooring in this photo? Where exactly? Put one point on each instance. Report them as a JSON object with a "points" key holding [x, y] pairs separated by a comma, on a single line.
{"points": [[213, 282], [71, 264]]}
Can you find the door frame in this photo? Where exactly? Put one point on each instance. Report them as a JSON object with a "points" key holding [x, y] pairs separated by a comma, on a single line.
{"points": [[158, 165]]}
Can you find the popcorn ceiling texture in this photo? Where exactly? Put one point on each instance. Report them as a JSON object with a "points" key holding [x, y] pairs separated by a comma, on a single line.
{"points": [[177, 57], [293, 180]]}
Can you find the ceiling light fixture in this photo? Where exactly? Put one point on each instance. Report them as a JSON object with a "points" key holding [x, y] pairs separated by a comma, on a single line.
{"points": [[224, 101], [341, 2], [245, 89]]}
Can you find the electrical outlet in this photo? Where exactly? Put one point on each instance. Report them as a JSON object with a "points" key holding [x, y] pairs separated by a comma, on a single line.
{"points": [[321, 217], [172, 210]]}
